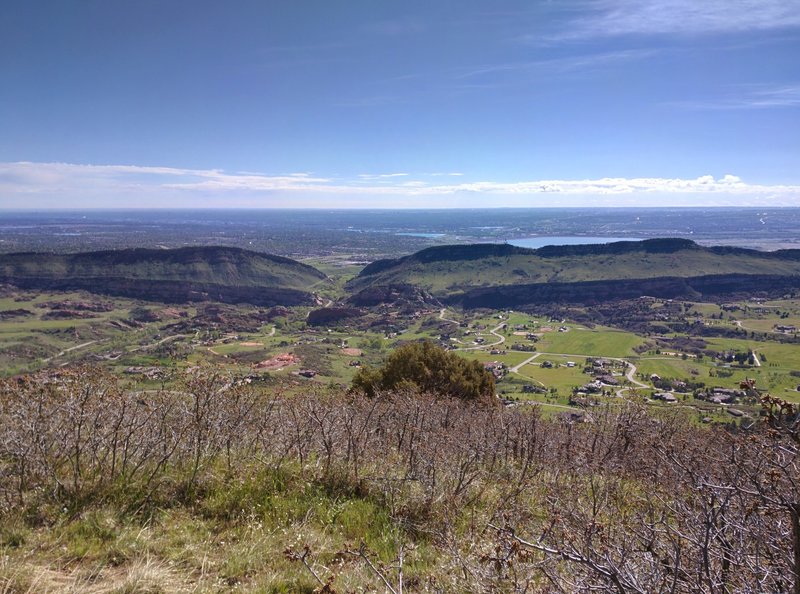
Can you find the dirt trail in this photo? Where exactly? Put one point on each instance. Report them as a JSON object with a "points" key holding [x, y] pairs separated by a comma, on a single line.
{"points": [[70, 349]]}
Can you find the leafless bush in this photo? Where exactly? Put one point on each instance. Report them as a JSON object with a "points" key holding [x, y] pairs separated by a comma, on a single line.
{"points": [[627, 503]]}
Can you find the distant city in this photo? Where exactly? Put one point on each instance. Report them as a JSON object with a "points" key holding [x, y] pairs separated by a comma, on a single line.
{"points": [[371, 234]]}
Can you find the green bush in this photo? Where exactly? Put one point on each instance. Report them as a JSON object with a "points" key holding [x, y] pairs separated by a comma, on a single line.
{"points": [[426, 367]]}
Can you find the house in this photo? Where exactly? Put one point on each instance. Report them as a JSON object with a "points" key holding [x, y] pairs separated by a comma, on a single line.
{"points": [[533, 389], [496, 367], [593, 387], [608, 380], [723, 395], [665, 397], [726, 307]]}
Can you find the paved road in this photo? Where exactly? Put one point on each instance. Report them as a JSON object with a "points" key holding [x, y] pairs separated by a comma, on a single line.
{"points": [[493, 331], [516, 368], [444, 319], [629, 374], [160, 342]]}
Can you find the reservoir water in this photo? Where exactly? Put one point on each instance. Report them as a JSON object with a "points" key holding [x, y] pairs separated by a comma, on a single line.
{"points": [[537, 242]]}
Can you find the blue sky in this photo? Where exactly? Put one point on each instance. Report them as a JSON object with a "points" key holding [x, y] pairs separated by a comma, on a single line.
{"points": [[363, 103]]}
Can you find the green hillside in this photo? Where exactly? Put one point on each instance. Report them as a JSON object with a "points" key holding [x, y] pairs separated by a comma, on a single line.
{"points": [[184, 274], [450, 270]]}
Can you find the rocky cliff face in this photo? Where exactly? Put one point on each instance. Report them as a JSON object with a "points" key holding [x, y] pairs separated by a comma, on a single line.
{"points": [[170, 291], [703, 288], [397, 294]]}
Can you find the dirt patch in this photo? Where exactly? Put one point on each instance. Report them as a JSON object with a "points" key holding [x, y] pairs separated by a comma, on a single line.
{"points": [[352, 352], [69, 304], [67, 314], [250, 344], [278, 362]]}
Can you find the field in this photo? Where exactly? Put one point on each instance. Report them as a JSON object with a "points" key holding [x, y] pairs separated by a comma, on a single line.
{"points": [[599, 342], [242, 341]]}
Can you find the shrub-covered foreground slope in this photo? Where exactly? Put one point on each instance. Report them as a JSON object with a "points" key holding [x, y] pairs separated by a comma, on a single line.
{"points": [[222, 274], [663, 267], [217, 486]]}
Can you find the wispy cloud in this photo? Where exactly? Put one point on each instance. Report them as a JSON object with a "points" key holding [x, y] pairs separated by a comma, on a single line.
{"points": [[604, 18], [26, 177], [381, 175], [41, 185], [752, 98], [561, 64]]}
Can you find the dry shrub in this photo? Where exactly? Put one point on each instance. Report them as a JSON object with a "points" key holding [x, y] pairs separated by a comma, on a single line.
{"points": [[627, 503]]}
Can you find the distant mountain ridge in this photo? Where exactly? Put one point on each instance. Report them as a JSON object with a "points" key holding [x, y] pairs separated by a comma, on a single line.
{"points": [[218, 273], [495, 274]]}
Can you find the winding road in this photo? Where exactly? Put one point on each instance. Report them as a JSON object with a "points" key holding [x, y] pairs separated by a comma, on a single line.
{"points": [[444, 319], [629, 374], [493, 331]]}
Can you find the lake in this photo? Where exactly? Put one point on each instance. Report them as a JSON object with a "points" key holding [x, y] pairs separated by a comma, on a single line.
{"points": [[537, 242]]}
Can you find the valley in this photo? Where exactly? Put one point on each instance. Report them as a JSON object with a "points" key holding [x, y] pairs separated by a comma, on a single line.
{"points": [[226, 452], [561, 354]]}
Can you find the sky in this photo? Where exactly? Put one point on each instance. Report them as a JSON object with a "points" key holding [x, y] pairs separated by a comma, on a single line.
{"points": [[412, 104]]}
